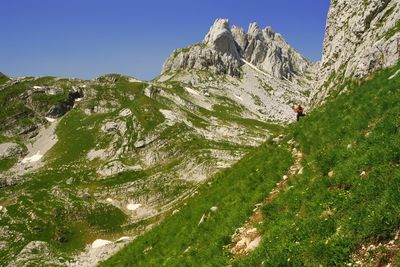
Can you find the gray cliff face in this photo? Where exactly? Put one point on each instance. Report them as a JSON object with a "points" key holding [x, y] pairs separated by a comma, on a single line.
{"points": [[220, 39], [201, 57], [224, 49], [271, 53], [361, 37]]}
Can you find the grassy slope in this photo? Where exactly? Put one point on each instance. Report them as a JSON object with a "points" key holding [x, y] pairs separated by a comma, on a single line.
{"points": [[234, 192], [362, 209], [321, 219], [55, 191]]}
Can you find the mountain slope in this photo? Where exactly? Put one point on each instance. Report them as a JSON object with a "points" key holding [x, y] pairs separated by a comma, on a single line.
{"points": [[3, 78], [86, 166], [345, 197], [257, 69], [109, 163]]}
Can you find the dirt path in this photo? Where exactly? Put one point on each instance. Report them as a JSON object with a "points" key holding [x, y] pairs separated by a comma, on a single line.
{"points": [[247, 238]]}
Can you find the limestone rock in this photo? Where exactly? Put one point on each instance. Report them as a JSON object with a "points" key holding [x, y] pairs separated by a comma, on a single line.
{"points": [[220, 38], [202, 58], [10, 150], [240, 37], [64, 106], [223, 49], [360, 38], [36, 253], [271, 53]]}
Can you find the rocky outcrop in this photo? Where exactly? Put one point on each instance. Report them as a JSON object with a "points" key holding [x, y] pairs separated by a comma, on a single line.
{"points": [[64, 106], [361, 37], [224, 49], [220, 39], [201, 57], [10, 150], [36, 253], [271, 53]]}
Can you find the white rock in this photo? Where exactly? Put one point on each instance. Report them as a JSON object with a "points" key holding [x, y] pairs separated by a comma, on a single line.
{"points": [[33, 158], [50, 119], [394, 75], [110, 126], [124, 238], [239, 97], [94, 154], [253, 244], [191, 91], [202, 219], [214, 209], [133, 207], [356, 42], [125, 112], [175, 212], [98, 243]]}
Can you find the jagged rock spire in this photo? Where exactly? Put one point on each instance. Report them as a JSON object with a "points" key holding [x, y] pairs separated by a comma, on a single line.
{"points": [[224, 48], [220, 38]]}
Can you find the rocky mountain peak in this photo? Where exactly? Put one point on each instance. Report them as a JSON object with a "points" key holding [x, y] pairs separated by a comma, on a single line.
{"points": [[254, 30], [227, 47], [220, 38], [240, 37]]}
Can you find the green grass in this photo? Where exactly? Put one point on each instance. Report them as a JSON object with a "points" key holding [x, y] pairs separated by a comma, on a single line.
{"points": [[365, 209], [391, 32], [6, 164], [3, 79], [296, 231], [233, 191]]}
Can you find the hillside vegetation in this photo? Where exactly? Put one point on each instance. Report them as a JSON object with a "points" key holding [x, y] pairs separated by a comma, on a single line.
{"points": [[153, 145], [347, 195]]}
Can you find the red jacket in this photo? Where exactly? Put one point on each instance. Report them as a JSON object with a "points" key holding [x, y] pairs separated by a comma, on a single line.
{"points": [[299, 109]]}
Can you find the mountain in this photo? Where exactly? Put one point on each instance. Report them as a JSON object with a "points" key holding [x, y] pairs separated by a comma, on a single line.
{"points": [[360, 39], [135, 149], [101, 159], [326, 194], [258, 69], [202, 165], [224, 50]]}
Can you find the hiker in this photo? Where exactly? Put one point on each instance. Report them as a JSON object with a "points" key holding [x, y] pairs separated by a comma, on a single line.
{"points": [[299, 111]]}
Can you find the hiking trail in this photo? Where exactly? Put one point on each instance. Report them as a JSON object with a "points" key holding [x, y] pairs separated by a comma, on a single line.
{"points": [[247, 238]]}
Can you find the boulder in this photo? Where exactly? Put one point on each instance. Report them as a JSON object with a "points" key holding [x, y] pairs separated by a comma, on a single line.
{"points": [[10, 150], [110, 126]]}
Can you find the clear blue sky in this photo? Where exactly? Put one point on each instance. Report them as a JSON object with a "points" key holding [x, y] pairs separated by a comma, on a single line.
{"points": [[88, 38]]}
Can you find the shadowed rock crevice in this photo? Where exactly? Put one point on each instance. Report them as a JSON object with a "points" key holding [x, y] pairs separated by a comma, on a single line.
{"points": [[64, 106]]}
